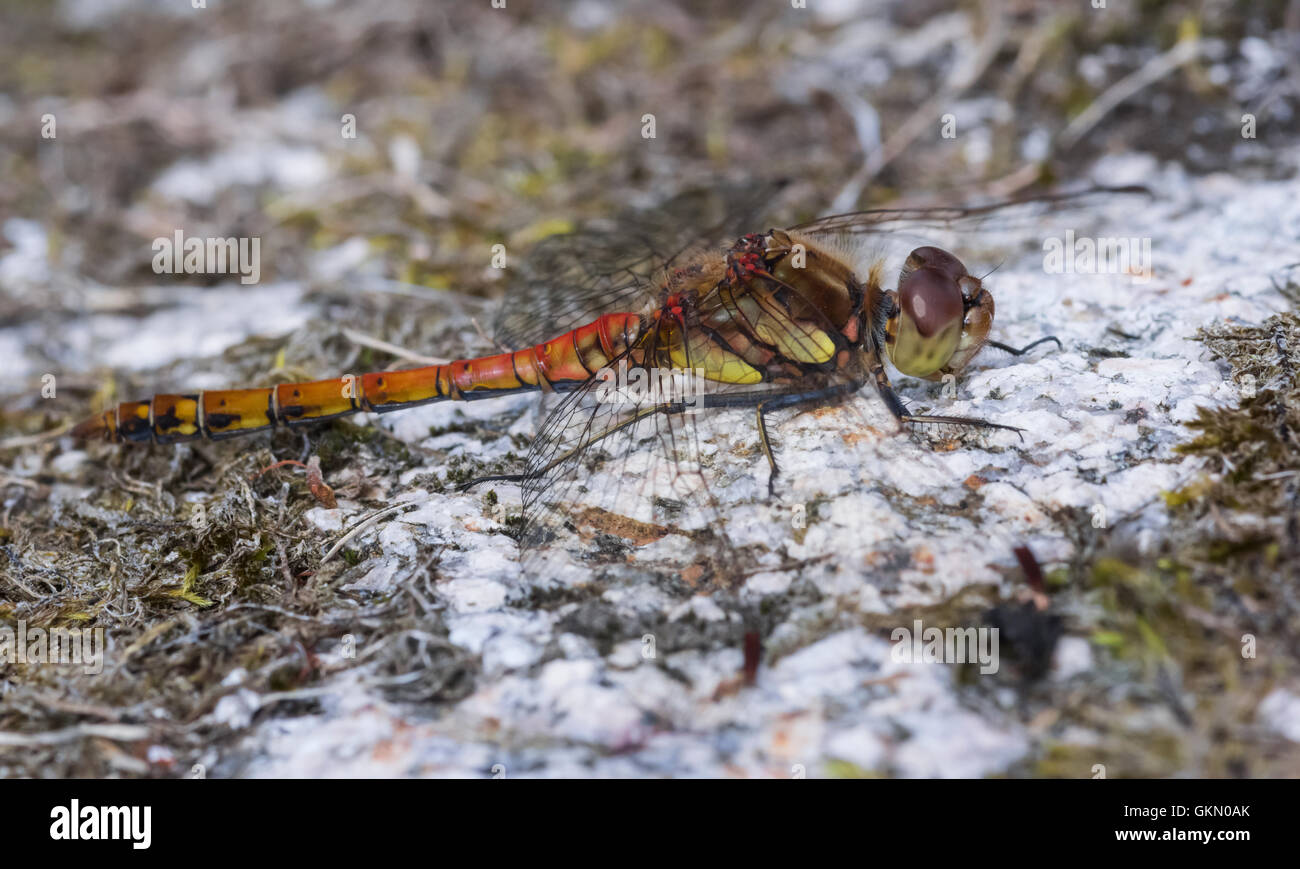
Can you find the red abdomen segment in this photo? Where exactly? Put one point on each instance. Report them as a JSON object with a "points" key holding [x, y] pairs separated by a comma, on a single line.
{"points": [[558, 364]]}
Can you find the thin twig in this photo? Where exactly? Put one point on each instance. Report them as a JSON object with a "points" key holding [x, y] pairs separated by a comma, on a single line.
{"points": [[285, 571], [14, 443], [401, 352], [118, 732], [922, 119], [366, 523], [1150, 72], [479, 329]]}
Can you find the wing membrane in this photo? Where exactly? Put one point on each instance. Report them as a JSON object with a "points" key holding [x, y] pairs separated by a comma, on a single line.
{"points": [[1005, 214], [975, 232], [571, 279], [605, 479], [607, 476]]}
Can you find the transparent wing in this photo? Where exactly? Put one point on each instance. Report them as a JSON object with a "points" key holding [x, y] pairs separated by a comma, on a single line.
{"points": [[982, 232], [612, 473], [612, 481], [571, 279], [653, 484], [1006, 213]]}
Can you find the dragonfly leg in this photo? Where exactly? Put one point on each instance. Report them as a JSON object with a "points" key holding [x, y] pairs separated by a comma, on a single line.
{"points": [[766, 444], [1007, 348], [494, 478], [791, 399], [765, 401], [901, 413]]}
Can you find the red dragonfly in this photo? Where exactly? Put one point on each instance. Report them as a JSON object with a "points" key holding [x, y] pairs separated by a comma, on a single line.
{"points": [[637, 327]]}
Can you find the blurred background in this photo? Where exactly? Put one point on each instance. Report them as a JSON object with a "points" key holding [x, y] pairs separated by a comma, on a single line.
{"points": [[475, 125]]}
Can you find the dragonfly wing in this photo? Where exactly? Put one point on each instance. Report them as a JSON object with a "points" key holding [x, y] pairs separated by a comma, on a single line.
{"points": [[1008, 212], [571, 279], [612, 481], [649, 464], [976, 232]]}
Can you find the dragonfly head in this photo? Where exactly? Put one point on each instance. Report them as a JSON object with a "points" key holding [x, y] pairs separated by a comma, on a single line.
{"points": [[941, 315]]}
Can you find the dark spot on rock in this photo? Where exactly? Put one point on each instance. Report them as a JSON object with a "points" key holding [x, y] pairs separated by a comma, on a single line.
{"points": [[1028, 635]]}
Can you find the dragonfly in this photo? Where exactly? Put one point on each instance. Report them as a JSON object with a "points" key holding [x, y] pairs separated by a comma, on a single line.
{"points": [[632, 329]]}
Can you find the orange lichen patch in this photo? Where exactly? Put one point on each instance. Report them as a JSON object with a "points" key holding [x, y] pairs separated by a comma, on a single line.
{"points": [[693, 574], [824, 410], [973, 482], [853, 437], [639, 533], [396, 746]]}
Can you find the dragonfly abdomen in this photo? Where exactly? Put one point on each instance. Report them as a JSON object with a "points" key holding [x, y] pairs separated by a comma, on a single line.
{"points": [[558, 364]]}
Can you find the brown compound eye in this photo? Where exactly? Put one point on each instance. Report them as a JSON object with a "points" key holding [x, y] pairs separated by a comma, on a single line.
{"points": [[934, 258], [932, 299], [926, 328]]}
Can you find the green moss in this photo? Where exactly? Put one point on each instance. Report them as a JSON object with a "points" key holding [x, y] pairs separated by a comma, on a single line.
{"points": [[845, 769], [1172, 624]]}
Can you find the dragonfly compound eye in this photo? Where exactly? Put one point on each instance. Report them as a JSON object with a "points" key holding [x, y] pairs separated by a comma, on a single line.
{"points": [[930, 315], [934, 258]]}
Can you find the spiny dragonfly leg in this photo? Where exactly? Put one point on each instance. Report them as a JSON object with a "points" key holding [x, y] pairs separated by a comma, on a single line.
{"points": [[494, 478], [900, 412], [790, 399], [766, 400], [1007, 348]]}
